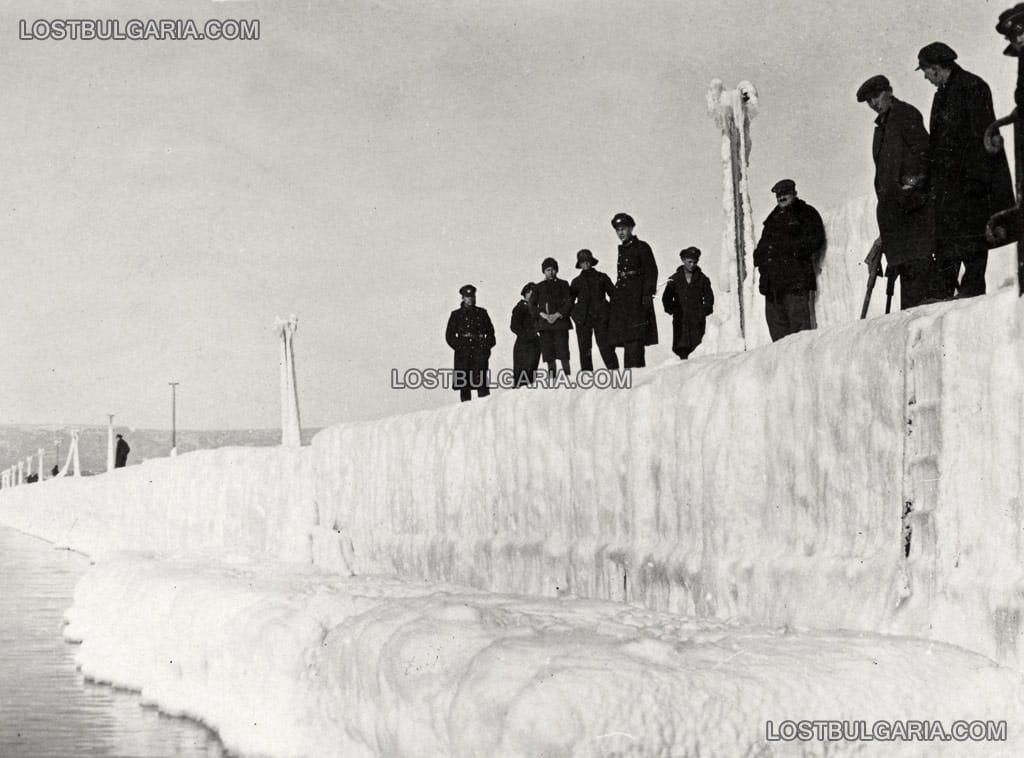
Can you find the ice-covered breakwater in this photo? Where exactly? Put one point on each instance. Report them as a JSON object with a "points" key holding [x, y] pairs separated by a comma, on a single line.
{"points": [[768, 486]]}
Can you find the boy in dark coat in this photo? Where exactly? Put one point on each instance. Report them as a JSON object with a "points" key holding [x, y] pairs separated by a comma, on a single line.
{"points": [[470, 334], [551, 307], [790, 244], [906, 218], [631, 320], [689, 300], [591, 291], [526, 351]]}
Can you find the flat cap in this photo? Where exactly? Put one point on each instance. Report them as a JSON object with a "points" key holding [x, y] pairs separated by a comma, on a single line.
{"points": [[622, 219], [935, 54], [549, 263], [526, 288], [467, 290], [873, 86], [784, 186], [689, 252]]}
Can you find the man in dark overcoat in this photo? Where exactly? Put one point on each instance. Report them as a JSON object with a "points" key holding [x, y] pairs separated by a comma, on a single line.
{"points": [[968, 183], [688, 298], [121, 451], [1009, 226], [791, 243], [591, 291], [906, 220], [631, 320], [470, 334], [526, 350], [552, 306]]}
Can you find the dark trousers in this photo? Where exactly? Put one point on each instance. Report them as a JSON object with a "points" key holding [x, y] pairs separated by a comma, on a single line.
{"points": [[466, 393], [787, 313], [584, 335], [974, 256], [921, 281], [525, 360], [633, 354]]}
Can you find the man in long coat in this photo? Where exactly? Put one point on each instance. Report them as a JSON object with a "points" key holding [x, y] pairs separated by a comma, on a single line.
{"points": [[968, 183], [470, 334], [791, 242], [591, 291], [688, 298], [906, 218], [631, 320], [121, 451], [526, 350]]}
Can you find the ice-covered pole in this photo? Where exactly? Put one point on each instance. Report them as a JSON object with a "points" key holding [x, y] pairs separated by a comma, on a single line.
{"points": [[291, 430], [732, 111], [110, 442]]}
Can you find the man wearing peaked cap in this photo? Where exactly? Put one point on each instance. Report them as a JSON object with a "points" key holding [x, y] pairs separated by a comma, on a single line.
{"points": [[631, 321], [904, 210], [1009, 225], [470, 334], [968, 184], [552, 304], [688, 298], [791, 243], [591, 290]]}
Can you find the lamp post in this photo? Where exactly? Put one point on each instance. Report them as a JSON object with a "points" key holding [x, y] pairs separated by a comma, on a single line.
{"points": [[57, 441], [174, 418]]}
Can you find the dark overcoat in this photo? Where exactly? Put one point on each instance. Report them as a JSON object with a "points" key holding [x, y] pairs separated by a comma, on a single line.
{"points": [[630, 319], [591, 291], [790, 242], [526, 350], [906, 217], [968, 183], [552, 296], [470, 334], [689, 304]]}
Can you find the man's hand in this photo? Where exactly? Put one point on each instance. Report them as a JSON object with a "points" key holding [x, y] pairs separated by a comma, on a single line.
{"points": [[993, 139]]}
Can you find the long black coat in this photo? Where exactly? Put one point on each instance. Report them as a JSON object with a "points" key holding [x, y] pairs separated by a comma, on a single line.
{"points": [[629, 319], [526, 350], [906, 217], [689, 304], [968, 184], [591, 291], [790, 242], [552, 296], [121, 453], [470, 334]]}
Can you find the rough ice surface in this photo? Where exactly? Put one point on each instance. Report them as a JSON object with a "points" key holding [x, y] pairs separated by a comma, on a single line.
{"points": [[287, 660], [733, 494]]}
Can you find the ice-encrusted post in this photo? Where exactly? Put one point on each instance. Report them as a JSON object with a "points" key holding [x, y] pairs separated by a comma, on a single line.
{"points": [[732, 111], [110, 442], [291, 430], [21, 472], [72, 460], [42, 460]]}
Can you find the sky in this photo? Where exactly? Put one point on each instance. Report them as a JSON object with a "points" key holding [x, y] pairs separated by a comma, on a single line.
{"points": [[166, 200]]}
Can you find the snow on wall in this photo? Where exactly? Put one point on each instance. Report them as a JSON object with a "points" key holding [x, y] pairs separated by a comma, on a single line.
{"points": [[768, 485], [285, 660]]}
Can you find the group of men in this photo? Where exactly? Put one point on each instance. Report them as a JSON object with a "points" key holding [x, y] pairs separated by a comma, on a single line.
{"points": [[937, 188], [614, 314]]}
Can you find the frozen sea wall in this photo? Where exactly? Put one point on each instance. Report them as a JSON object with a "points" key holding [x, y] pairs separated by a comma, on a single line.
{"points": [[771, 486]]}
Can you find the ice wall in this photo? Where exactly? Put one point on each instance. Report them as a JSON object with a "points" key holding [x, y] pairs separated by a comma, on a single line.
{"points": [[769, 485]]}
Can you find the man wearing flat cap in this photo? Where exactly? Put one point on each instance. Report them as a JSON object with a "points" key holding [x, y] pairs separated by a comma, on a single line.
{"points": [[470, 334], [791, 243], [688, 298], [1009, 225], [631, 320], [591, 290], [905, 214], [968, 183]]}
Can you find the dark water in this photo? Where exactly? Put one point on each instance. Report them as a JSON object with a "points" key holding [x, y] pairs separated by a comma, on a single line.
{"points": [[47, 709]]}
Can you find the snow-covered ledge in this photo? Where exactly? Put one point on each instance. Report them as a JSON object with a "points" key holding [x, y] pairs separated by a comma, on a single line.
{"points": [[768, 486]]}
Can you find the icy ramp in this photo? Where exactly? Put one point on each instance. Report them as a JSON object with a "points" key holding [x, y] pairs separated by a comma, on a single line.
{"points": [[290, 661]]}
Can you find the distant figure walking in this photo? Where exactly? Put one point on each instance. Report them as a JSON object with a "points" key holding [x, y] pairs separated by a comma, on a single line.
{"points": [[121, 452], [470, 334], [905, 213], [968, 183], [792, 240], [688, 299]]}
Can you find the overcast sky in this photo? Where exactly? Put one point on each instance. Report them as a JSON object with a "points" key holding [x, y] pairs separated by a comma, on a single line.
{"points": [[164, 201]]}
